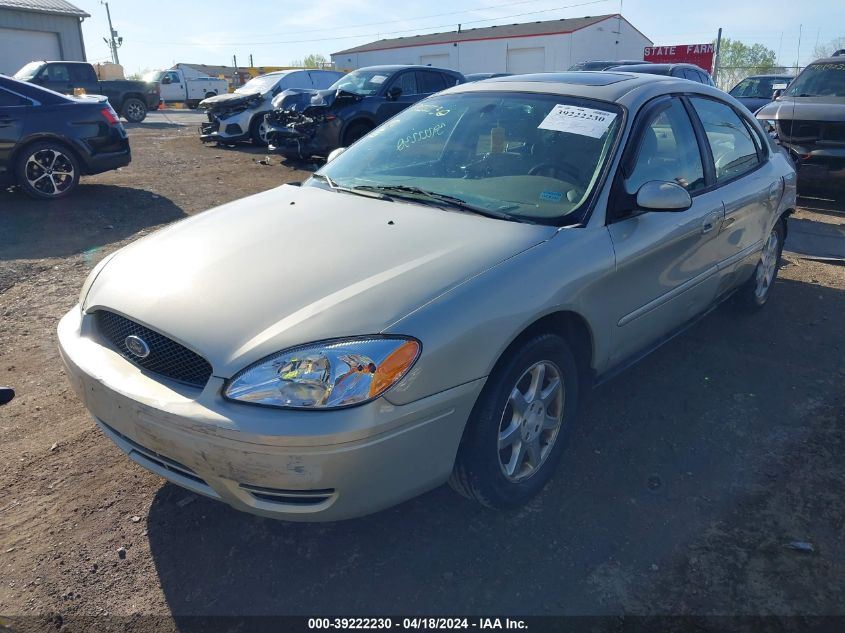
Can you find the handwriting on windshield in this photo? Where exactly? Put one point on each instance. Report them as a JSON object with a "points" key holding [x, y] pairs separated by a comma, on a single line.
{"points": [[419, 136], [429, 108]]}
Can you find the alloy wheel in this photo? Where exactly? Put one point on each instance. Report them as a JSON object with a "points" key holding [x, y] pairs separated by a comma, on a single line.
{"points": [[531, 421], [767, 267], [49, 171], [134, 111]]}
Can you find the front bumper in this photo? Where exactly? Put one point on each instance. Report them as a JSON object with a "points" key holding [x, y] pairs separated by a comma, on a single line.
{"points": [[293, 465], [818, 165], [226, 129]]}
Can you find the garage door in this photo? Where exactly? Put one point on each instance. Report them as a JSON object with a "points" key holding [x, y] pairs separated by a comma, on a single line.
{"points": [[438, 61], [19, 47], [526, 60]]}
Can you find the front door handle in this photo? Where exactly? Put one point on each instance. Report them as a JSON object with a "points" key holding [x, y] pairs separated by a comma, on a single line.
{"points": [[708, 225]]}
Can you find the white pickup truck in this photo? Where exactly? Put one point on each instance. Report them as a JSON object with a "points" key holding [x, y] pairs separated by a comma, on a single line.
{"points": [[175, 87]]}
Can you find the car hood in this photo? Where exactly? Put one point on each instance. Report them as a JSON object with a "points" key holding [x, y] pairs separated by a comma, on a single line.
{"points": [[804, 109], [229, 100], [297, 100], [298, 264]]}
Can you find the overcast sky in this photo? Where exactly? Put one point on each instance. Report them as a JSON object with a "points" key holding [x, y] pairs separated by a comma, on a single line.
{"points": [[158, 34]]}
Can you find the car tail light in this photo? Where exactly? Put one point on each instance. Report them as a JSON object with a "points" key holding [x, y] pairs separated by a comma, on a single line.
{"points": [[110, 115]]}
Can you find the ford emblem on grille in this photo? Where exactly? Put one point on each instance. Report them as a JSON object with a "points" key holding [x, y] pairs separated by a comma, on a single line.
{"points": [[137, 346]]}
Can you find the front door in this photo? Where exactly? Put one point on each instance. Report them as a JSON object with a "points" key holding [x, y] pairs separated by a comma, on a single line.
{"points": [[175, 90], [13, 111], [406, 82], [666, 262]]}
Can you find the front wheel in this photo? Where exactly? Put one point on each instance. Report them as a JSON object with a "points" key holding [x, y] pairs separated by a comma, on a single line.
{"points": [[134, 110], [755, 292], [258, 130], [354, 132], [47, 171], [518, 428]]}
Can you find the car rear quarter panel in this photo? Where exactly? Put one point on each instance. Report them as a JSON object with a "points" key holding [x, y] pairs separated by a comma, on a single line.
{"points": [[465, 331]]}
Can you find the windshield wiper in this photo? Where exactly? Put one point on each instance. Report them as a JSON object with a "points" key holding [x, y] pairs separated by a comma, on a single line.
{"points": [[336, 187], [415, 193]]}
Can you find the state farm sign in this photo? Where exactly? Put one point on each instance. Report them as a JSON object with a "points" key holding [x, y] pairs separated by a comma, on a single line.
{"points": [[699, 54]]}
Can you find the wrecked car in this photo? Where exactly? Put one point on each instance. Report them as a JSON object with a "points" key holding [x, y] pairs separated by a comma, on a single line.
{"points": [[808, 120], [305, 123], [239, 116]]}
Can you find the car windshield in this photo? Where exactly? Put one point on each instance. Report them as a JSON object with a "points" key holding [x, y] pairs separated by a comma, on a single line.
{"points": [[361, 82], [758, 87], [153, 76], [259, 85], [519, 156], [29, 71], [826, 79]]}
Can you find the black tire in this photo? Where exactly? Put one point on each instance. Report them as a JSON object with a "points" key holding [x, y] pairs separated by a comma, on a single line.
{"points": [[480, 472], [134, 110], [47, 170], [754, 294], [354, 132], [208, 95], [193, 104], [255, 130]]}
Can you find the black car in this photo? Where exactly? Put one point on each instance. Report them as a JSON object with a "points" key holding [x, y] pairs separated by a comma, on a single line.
{"points": [[314, 122], [808, 120], [131, 98], [47, 140], [605, 64], [682, 71], [756, 91]]}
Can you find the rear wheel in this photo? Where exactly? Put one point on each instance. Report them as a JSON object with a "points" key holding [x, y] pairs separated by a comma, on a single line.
{"points": [[134, 110], [258, 130], [47, 171], [754, 294], [519, 426], [193, 104], [354, 132]]}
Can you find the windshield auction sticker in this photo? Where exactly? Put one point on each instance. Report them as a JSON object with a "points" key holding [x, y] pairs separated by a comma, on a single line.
{"points": [[577, 120]]}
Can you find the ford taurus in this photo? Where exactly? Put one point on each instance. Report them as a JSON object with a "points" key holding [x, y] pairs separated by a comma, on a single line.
{"points": [[432, 304]]}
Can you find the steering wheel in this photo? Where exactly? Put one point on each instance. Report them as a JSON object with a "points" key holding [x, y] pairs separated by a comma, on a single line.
{"points": [[560, 171]]}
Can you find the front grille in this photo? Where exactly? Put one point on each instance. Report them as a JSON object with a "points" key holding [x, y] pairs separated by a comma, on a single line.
{"points": [[813, 131], [167, 357]]}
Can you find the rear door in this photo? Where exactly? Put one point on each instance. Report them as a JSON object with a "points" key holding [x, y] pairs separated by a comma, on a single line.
{"points": [[13, 112], [746, 181], [666, 262]]}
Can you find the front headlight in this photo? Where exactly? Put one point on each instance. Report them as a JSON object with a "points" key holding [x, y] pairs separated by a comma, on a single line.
{"points": [[327, 375]]}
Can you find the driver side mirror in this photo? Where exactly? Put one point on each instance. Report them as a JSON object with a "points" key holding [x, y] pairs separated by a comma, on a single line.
{"points": [[777, 93], [394, 93], [166, 80], [334, 154], [660, 195]]}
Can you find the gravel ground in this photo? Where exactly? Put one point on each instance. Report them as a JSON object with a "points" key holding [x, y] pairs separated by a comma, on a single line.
{"points": [[690, 475]]}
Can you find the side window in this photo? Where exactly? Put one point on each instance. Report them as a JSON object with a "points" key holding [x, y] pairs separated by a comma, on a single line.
{"points": [[734, 151], [81, 73], [430, 82], [56, 72], [668, 151], [174, 78], [407, 82], [10, 99]]}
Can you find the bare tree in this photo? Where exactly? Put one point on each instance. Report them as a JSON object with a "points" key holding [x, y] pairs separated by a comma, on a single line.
{"points": [[826, 50]]}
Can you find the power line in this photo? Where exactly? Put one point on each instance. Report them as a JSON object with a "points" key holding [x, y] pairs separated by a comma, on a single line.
{"points": [[347, 37]]}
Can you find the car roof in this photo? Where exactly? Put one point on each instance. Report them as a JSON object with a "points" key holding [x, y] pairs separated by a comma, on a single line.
{"points": [[774, 76], [396, 67], [659, 68], [626, 88]]}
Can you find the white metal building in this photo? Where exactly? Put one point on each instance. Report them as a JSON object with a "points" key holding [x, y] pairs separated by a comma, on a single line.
{"points": [[32, 30], [515, 48]]}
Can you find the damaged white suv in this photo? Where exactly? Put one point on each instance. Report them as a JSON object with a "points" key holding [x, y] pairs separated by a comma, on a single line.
{"points": [[239, 116]]}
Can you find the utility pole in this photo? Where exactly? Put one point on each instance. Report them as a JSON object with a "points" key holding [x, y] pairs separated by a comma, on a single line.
{"points": [[251, 64], [716, 57], [114, 41]]}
